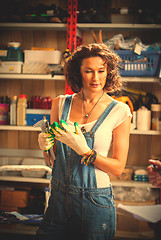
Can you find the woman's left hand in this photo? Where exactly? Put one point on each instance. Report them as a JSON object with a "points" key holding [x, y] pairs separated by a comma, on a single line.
{"points": [[76, 140]]}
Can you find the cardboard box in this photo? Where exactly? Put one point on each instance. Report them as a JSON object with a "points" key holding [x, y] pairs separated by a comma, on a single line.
{"points": [[11, 67], [42, 56], [10, 198]]}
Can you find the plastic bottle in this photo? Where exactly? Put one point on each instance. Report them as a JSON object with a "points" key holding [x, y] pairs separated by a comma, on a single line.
{"points": [[156, 116], [21, 110], [143, 119], [13, 111]]}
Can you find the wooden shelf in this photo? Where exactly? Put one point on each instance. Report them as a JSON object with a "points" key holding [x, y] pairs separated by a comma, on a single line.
{"points": [[116, 26], [150, 132], [22, 153], [35, 26], [31, 76], [24, 179], [83, 26], [131, 184], [62, 77], [142, 79], [31, 128], [19, 128]]}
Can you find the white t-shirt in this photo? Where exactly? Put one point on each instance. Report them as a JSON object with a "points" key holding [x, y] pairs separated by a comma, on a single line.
{"points": [[103, 135]]}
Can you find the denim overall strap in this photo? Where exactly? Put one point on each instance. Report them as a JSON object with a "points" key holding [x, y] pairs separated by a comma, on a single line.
{"points": [[63, 152], [67, 104], [104, 115]]}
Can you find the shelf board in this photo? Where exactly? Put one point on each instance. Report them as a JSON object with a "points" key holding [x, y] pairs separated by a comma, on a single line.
{"points": [[141, 132], [131, 184], [31, 128], [83, 26], [24, 179], [115, 26], [62, 77], [31, 76], [19, 128], [35, 26], [22, 153], [142, 79]]}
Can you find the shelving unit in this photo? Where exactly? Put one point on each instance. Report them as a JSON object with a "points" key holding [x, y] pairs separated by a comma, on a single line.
{"points": [[21, 141], [48, 80]]}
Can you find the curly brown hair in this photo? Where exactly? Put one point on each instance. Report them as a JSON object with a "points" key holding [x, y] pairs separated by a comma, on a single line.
{"points": [[112, 60]]}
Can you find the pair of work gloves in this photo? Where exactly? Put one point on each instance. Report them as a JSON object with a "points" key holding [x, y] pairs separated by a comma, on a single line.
{"points": [[64, 134]]}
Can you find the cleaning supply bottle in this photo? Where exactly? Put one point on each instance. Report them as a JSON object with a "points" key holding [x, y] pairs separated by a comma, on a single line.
{"points": [[21, 110], [156, 116], [13, 111]]}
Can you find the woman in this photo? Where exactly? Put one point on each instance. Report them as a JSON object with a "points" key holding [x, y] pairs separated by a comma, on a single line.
{"points": [[81, 205]]}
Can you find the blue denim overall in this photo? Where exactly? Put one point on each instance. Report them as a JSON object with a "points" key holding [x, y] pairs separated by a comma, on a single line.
{"points": [[77, 209]]}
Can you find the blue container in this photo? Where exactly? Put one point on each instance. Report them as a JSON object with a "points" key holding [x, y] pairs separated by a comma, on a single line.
{"points": [[146, 64], [35, 115], [140, 178]]}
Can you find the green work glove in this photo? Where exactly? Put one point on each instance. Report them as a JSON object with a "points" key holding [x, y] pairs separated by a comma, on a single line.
{"points": [[74, 140], [46, 141]]}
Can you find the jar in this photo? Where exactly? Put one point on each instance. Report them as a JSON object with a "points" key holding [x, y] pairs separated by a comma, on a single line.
{"points": [[156, 116]]}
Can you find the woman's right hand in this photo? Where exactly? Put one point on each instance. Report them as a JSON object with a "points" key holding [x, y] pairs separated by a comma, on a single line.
{"points": [[45, 141]]}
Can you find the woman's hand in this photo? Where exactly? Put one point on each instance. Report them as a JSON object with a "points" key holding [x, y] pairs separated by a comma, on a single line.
{"points": [[46, 141], [76, 140]]}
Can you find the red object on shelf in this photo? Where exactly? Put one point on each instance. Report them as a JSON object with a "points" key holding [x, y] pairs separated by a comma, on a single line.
{"points": [[38, 102], [71, 33], [72, 25]]}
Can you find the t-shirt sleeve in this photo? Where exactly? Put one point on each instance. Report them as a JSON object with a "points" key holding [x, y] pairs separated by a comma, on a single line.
{"points": [[123, 112]]}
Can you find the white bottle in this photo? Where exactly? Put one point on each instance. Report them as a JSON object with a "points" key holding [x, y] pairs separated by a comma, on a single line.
{"points": [[13, 111], [21, 110]]}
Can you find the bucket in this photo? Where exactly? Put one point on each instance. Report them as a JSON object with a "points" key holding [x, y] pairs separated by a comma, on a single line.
{"points": [[4, 114]]}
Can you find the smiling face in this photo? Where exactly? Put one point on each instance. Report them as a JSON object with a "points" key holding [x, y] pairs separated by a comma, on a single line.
{"points": [[94, 73]]}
